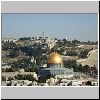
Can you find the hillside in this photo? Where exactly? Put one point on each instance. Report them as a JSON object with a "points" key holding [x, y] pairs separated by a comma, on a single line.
{"points": [[91, 60]]}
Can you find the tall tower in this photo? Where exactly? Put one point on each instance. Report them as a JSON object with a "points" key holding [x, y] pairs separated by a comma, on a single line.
{"points": [[66, 38], [43, 35]]}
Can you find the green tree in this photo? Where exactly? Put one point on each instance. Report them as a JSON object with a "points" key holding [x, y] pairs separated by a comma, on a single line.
{"points": [[8, 45], [3, 78], [65, 41], [71, 64], [86, 69], [75, 41], [10, 78], [84, 53], [72, 53], [80, 68], [11, 69], [25, 77], [13, 54]]}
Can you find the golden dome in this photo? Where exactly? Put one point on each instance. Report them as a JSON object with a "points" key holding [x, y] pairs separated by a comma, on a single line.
{"points": [[55, 58]]}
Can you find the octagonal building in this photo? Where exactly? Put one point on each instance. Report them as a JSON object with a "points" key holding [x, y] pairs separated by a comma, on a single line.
{"points": [[55, 67]]}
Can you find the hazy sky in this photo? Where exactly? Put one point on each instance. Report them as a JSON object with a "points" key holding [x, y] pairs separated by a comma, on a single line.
{"points": [[82, 27]]}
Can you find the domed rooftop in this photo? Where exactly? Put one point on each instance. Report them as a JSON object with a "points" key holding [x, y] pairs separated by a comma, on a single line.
{"points": [[55, 58]]}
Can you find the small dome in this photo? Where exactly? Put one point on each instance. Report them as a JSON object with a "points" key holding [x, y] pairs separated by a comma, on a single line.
{"points": [[55, 58]]}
